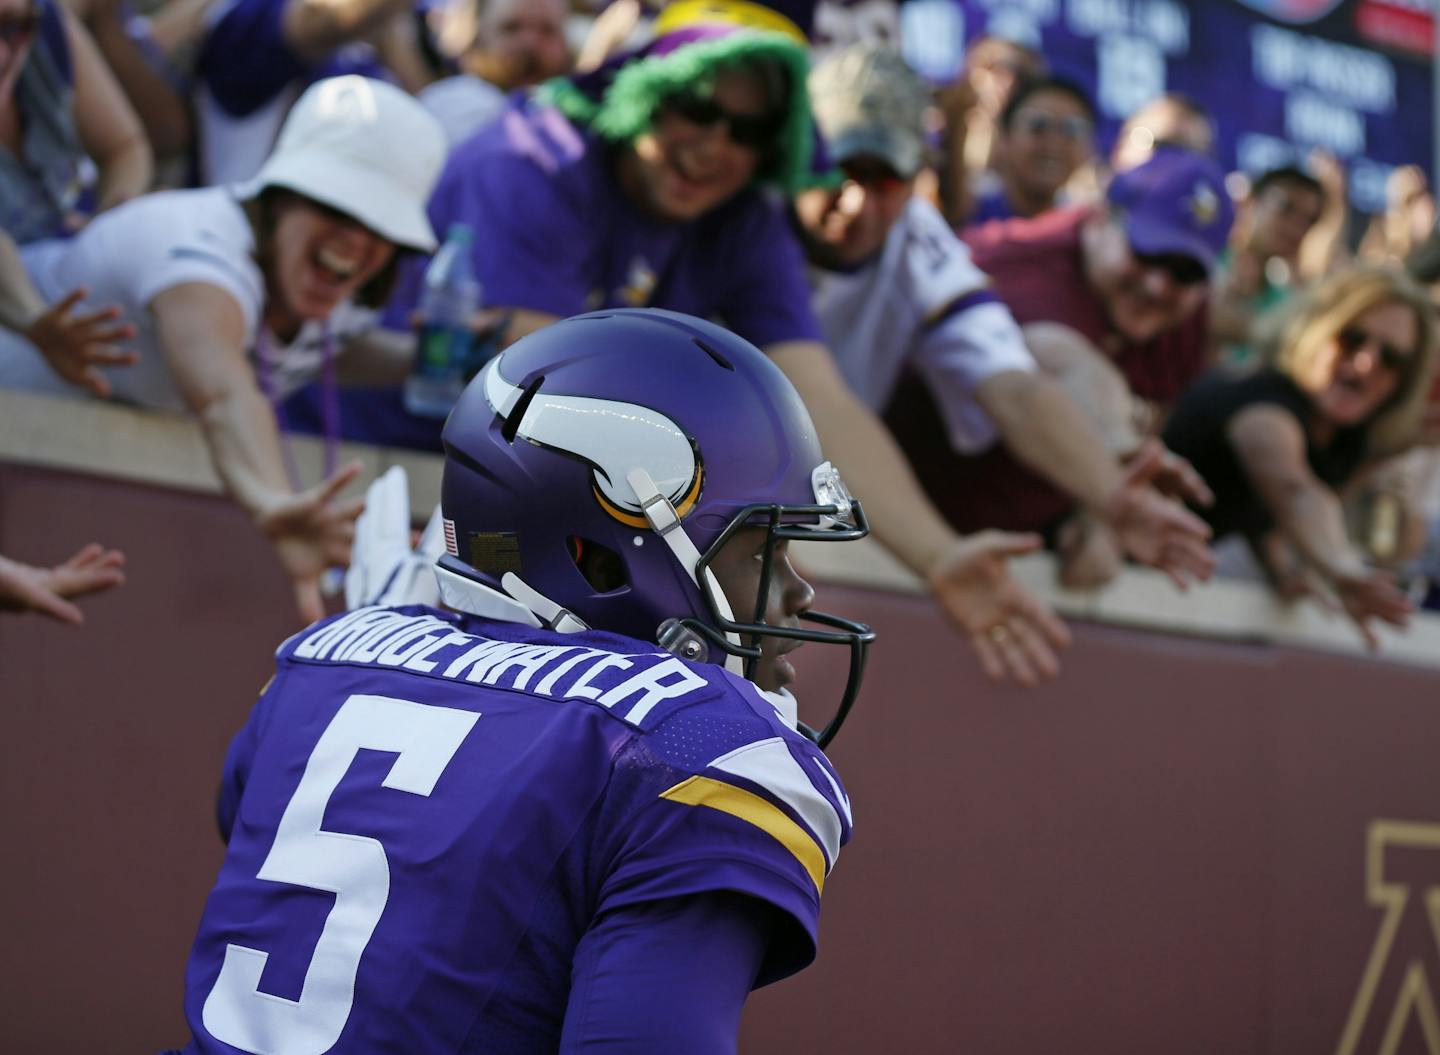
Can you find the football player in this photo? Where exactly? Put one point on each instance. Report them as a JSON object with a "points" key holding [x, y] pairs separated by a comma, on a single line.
{"points": [[577, 810]]}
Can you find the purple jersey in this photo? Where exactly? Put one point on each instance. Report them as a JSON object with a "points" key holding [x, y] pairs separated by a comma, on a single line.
{"points": [[426, 813]]}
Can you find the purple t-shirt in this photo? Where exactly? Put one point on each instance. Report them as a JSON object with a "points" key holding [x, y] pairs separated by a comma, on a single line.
{"points": [[555, 233], [428, 813]]}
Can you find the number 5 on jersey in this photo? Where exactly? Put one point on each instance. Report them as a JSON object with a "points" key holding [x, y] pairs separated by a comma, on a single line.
{"points": [[352, 867]]}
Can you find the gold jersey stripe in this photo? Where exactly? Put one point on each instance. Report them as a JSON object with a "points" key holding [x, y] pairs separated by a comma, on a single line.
{"points": [[727, 798]]}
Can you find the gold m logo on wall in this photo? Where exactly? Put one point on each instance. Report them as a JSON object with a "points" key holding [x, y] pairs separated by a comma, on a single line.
{"points": [[1397, 993]]}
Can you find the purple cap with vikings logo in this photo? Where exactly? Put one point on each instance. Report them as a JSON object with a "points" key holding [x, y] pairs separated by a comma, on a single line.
{"points": [[1175, 203]]}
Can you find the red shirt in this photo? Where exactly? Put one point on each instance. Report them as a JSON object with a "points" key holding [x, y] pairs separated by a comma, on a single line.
{"points": [[1037, 269]]}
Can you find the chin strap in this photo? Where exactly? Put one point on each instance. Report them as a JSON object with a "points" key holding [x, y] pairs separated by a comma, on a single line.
{"points": [[556, 618], [661, 516], [519, 603]]}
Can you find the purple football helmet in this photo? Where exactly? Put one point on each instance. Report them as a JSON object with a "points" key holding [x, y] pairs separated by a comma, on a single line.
{"points": [[651, 436]]}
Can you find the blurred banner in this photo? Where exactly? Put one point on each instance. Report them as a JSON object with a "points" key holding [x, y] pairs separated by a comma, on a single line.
{"points": [[1281, 77]]}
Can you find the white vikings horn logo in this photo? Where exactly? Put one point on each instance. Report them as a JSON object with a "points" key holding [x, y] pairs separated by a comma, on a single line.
{"points": [[614, 437]]}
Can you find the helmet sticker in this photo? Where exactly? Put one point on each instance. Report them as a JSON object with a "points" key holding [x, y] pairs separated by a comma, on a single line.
{"points": [[494, 552]]}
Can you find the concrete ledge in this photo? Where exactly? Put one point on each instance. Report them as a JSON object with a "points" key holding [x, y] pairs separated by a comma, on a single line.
{"points": [[152, 447], [85, 436]]}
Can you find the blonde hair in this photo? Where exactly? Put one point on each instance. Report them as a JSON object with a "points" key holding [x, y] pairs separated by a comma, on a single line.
{"points": [[1301, 341]]}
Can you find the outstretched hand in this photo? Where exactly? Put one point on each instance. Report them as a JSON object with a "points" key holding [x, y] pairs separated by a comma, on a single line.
{"points": [[1014, 633], [76, 345], [1154, 529], [312, 531], [45, 590], [1371, 594]]}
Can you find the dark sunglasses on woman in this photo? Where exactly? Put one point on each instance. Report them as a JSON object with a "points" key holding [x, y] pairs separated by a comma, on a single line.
{"points": [[1353, 338]]}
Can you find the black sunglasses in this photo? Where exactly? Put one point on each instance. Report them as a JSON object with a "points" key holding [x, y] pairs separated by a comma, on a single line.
{"points": [[756, 131], [1352, 338], [1183, 270]]}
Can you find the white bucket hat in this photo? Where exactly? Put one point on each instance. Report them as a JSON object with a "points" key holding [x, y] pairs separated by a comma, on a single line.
{"points": [[363, 147]]}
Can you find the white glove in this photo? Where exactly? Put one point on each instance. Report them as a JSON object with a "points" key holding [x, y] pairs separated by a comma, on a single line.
{"points": [[383, 568]]}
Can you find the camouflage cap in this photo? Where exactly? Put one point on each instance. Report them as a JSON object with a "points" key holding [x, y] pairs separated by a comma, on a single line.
{"points": [[867, 101]]}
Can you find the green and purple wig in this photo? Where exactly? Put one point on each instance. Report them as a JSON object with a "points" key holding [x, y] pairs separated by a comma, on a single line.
{"points": [[695, 40]]}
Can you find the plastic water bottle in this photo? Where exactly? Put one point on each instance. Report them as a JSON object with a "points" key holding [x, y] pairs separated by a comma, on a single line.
{"points": [[447, 302]]}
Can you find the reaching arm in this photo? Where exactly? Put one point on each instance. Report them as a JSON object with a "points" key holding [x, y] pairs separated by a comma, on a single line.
{"points": [[48, 590], [177, 24], [202, 336], [108, 126], [1232, 314], [20, 302], [1101, 408], [201, 333], [1323, 249], [1271, 448], [1044, 428], [957, 102], [1089, 379], [611, 28], [386, 357], [74, 345], [163, 111], [967, 576], [397, 42], [854, 439]]}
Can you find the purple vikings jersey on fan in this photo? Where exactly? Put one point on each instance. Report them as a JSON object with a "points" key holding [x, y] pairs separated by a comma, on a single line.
{"points": [[426, 811]]}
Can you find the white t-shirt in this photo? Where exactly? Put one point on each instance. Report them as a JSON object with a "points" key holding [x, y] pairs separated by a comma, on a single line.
{"points": [[131, 254], [922, 302]]}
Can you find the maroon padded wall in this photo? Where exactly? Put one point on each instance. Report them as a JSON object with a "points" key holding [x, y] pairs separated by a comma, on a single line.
{"points": [[1164, 852]]}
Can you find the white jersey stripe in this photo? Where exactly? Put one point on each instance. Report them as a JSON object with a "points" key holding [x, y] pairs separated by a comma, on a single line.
{"points": [[770, 764]]}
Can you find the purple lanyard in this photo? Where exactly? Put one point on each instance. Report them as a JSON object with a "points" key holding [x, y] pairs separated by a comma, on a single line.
{"points": [[267, 362]]}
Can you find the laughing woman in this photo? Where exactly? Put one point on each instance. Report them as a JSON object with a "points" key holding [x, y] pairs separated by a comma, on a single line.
{"points": [[1344, 386], [243, 293]]}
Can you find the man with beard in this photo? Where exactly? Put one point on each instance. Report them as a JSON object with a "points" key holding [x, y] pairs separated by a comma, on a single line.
{"points": [[1109, 298]]}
